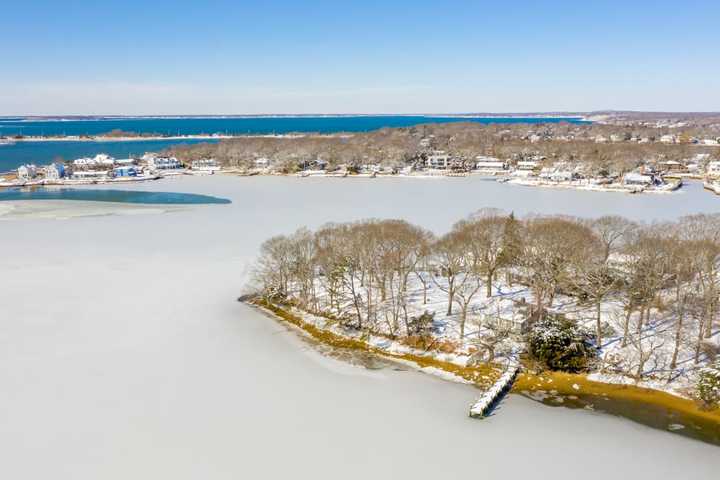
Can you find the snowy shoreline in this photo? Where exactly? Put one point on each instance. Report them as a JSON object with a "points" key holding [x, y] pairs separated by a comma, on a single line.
{"points": [[538, 386]]}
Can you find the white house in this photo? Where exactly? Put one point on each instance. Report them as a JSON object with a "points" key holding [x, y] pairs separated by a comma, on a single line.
{"points": [[83, 162], [209, 165], [438, 160], [164, 163], [27, 172], [104, 159], [713, 169], [489, 164], [668, 139], [634, 178], [527, 165], [262, 162], [55, 171]]}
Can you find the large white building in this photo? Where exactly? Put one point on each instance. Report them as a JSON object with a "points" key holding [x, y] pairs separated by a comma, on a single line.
{"points": [[99, 160], [27, 172], [208, 165], [55, 171], [163, 163], [438, 160], [490, 164]]}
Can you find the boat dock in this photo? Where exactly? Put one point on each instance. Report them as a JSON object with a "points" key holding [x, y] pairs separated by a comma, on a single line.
{"points": [[491, 397]]}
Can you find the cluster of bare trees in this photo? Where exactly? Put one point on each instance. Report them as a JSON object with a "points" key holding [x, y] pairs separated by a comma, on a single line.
{"points": [[375, 275], [400, 147]]}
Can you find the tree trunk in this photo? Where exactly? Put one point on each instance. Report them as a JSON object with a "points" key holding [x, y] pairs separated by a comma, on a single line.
{"points": [[709, 319], [626, 328], [643, 311], [451, 297], [680, 301], [698, 345], [599, 324]]}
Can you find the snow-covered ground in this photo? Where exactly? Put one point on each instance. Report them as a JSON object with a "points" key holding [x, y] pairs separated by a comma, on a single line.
{"points": [[617, 362], [123, 354]]}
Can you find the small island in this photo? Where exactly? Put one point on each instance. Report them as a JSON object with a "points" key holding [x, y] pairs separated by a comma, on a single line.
{"points": [[590, 311]]}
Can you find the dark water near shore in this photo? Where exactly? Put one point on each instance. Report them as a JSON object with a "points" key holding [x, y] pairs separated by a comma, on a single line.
{"points": [[118, 196]]}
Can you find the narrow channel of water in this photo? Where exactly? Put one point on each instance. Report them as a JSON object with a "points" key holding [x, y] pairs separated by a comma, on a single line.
{"points": [[107, 195]]}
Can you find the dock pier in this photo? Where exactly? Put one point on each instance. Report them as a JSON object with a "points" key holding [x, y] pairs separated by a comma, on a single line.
{"points": [[484, 405]]}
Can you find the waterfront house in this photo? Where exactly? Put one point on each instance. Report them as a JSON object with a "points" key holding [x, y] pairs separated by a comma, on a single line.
{"points": [[163, 163], [55, 171], [26, 172], [672, 166], [208, 165], [125, 171], [439, 160], [639, 179], [83, 162], [490, 164], [99, 160], [104, 159], [557, 174], [528, 165], [713, 169], [262, 163]]}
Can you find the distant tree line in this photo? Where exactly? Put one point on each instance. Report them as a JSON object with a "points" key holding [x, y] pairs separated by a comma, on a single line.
{"points": [[397, 148]]}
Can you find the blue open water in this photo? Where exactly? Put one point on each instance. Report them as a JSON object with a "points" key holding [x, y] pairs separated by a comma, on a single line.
{"points": [[44, 153], [40, 153]]}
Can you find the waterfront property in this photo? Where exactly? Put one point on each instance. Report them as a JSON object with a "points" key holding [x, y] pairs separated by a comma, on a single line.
{"points": [[55, 171], [161, 163], [439, 160], [490, 165], [205, 166], [27, 172]]}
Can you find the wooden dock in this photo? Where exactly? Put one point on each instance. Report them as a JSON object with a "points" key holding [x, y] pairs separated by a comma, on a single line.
{"points": [[491, 397]]}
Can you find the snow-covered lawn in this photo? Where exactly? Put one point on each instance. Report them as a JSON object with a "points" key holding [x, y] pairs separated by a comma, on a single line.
{"points": [[616, 363]]}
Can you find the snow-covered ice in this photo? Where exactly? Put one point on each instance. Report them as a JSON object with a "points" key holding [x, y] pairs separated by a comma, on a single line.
{"points": [[123, 354]]}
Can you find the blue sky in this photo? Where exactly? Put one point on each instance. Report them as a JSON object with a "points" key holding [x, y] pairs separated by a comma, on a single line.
{"points": [[163, 57]]}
